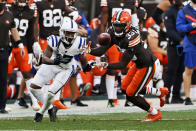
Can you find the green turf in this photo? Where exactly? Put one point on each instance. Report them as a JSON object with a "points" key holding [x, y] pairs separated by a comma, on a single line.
{"points": [[184, 120]]}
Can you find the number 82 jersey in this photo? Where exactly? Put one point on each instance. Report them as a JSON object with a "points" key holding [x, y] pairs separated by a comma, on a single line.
{"points": [[49, 17]]}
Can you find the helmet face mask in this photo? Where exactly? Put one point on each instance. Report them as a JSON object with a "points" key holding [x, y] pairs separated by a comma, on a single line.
{"points": [[21, 3], [68, 37], [121, 23], [119, 28]]}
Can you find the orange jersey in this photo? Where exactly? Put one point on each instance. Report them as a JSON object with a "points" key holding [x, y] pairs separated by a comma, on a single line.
{"points": [[16, 60], [43, 44]]}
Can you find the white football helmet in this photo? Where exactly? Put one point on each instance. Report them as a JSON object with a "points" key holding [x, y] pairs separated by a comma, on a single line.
{"points": [[68, 31]]}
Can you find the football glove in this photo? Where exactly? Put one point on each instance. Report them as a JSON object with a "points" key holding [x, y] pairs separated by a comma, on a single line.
{"points": [[87, 68], [58, 59], [88, 49]]}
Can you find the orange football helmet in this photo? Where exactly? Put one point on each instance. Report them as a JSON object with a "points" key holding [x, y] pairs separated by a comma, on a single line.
{"points": [[121, 23]]}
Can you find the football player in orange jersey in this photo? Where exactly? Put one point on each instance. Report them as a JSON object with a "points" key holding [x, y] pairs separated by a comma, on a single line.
{"points": [[145, 65], [25, 22]]}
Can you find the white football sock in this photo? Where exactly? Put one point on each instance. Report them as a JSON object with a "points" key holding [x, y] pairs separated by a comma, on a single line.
{"points": [[57, 96], [110, 86], [37, 93], [96, 80], [79, 79], [48, 99], [153, 91], [28, 83], [153, 111], [115, 92]]}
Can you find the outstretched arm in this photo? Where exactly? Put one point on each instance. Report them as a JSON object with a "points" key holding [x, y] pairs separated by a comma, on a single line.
{"points": [[126, 58], [98, 51]]}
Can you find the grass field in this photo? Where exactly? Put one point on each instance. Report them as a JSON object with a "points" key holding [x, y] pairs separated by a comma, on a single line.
{"points": [[181, 120]]}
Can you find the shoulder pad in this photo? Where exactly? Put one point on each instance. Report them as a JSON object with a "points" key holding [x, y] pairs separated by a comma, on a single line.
{"points": [[133, 38], [53, 41], [81, 42]]}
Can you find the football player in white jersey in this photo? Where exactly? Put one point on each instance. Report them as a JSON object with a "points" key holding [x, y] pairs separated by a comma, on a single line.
{"points": [[58, 64]]}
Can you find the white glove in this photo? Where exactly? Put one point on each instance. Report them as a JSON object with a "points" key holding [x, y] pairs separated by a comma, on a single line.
{"points": [[92, 63]]}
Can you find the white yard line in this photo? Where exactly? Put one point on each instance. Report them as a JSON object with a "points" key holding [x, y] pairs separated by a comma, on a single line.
{"points": [[95, 107]]}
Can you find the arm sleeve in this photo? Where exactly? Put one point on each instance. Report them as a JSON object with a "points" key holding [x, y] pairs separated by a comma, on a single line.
{"points": [[99, 51], [181, 23], [123, 63], [30, 35], [170, 21], [13, 25], [84, 22]]}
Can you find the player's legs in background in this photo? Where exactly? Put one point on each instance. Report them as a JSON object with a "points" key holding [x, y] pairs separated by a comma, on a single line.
{"points": [[75, 101], [113, 56]]}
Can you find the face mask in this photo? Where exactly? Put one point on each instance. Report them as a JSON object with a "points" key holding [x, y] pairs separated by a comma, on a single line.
{"points": [[2, 5]]}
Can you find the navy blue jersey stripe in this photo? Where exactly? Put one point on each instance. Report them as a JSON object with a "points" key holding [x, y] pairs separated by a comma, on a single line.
{"points": [[71, 24], [80, 43], [52, 41], [84, 43], [56, 40]]}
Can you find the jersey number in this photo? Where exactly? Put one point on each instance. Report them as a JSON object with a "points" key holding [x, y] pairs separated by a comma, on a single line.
{"points": [[22, 26], [52, 18]]}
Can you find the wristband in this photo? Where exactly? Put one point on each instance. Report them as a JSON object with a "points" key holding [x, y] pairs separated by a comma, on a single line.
{"points": [[21, 45]]}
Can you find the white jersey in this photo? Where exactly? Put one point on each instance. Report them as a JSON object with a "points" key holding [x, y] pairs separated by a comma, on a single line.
{"points": [[68, 53]]}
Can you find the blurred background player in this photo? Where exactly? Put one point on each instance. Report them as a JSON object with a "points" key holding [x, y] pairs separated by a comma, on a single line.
{"points": [[76, 80], [25, 23], [108, 8], [175, 68], [186, 23], [8, 25]]}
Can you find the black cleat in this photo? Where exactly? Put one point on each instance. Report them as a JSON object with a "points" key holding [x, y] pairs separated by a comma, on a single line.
{"points": [[110, 103], [177, 100], [3, 111], [127, 103], [77, 102], [21, 103], [188, 101], [38, 117], [52, 113]]}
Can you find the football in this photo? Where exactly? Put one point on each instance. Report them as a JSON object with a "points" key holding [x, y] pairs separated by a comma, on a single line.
{"points": [[104, 39]]}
